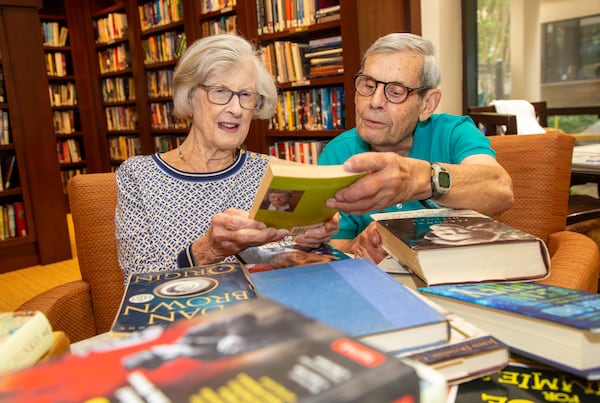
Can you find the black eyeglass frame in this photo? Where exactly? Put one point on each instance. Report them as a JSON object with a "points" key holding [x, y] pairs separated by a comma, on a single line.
{"points": [[409, 90], [208, 88]]}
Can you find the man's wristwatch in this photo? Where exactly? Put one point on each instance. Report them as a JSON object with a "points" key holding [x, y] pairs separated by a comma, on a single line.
{"points": [[440, 181]]}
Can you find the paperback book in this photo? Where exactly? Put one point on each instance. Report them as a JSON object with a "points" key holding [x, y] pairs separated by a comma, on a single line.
{"points": [[358, 298], [25, 336], [162, 297], [553, 325], [256, 350], [292, 195], [286, 253], [446, 246]]}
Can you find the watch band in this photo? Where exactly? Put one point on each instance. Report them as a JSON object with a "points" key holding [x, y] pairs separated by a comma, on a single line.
{"points": [[440, 181]]}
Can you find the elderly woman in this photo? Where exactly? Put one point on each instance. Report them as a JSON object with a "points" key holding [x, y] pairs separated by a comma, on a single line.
{"points": [[188, 206]]}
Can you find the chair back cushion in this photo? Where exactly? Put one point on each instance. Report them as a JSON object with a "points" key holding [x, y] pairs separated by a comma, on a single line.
{"points": [[92, 199], [540, 168]]}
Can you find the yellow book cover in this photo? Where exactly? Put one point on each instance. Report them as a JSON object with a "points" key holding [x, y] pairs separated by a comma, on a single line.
{"points": [[292, 195]]}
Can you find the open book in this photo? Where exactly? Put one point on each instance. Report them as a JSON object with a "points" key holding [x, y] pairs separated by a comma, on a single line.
{"points": [[292, 195]]}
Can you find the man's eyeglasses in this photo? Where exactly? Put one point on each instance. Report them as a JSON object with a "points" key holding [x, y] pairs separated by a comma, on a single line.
{"points": [[395, 92], [222, 95]]}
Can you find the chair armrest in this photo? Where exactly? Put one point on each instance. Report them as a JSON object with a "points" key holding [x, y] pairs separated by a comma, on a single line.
{"points": [[575, 261], [68, 308]]}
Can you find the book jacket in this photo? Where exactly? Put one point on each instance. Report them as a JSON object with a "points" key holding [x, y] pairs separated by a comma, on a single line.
{"points": [[255, 351], [162, 297], [358, 298], [518, 383], [287, 253]]}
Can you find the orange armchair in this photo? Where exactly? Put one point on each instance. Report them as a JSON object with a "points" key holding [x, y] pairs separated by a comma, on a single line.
{"points": [[87, 307], [540, 167]]}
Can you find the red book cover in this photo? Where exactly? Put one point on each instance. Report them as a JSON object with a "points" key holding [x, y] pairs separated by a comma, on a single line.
{"points": [[20, 220]]}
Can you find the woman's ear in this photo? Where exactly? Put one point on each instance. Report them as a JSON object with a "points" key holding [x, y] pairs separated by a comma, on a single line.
{"points": [[429, 103]]}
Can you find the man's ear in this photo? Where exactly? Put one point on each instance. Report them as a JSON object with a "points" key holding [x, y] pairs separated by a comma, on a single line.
{"points": [[430, 102]]}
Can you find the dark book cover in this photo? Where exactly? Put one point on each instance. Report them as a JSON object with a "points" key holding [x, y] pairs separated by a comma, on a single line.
{"points": [[528, 384], [162, 297], [257, 350], [287, 253]]}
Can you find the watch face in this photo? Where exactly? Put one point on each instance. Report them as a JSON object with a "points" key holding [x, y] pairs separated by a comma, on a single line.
{"points": [[444, 180]]}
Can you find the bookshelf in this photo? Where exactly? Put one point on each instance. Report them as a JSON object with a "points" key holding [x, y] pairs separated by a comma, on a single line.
{"points": [[35, 182]]}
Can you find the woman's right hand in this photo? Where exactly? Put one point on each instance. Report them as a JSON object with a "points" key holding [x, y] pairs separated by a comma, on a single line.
{"points": [[231, 232]]}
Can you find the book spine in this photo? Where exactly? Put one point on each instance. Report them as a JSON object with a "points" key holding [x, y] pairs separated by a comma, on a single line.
{"points": [[24, 339]]}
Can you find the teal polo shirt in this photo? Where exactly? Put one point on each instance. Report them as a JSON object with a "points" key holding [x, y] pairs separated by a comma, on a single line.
{"points": [[441, 138]]}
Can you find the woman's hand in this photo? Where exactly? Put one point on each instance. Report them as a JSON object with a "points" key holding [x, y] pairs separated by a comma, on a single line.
{"points": [[231, 232], [368, 244], [314, 237]]}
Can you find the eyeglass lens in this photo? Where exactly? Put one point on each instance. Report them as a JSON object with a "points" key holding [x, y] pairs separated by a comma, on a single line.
{"points": [[394, 92]]}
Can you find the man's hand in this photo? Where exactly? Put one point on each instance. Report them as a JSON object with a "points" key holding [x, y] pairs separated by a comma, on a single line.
{"points": [[314, 237]]}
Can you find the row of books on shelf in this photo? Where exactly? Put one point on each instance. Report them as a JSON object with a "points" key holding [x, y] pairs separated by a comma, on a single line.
{"points": [[54, 33], [164, 47], [121, 118], [306, 152], [13, 223], [123, 147], [209, 6], [166, 143], [281, 15], [110, 28], [5, 135], [56, 64], [2, 89], [64, 94], [159, 83], [68, 151], [157, 13], [225, 24], [320, 108], [64, 121], [164, 118], [114, 59], [118, 89]]}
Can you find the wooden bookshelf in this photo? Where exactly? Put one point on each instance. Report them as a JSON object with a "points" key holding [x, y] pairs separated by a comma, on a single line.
{"points": [[36, 182]]}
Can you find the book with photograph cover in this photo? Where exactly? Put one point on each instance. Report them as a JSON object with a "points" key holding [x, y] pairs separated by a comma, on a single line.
{"points": [[163, 297], [553, 325], [286, 253], [447, 246], [358, 298], [292, 195], [257, 350]]}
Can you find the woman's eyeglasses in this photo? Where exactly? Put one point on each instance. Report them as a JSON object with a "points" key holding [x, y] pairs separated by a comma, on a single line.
{"points": [[222, 95]]}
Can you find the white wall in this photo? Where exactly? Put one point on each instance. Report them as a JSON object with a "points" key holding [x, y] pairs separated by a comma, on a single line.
{"points": [[441, 23]]}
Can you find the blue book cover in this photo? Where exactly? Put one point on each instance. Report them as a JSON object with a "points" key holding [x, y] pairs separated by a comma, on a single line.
{"points": [[159, 298], [553, 325], [358, 298]]}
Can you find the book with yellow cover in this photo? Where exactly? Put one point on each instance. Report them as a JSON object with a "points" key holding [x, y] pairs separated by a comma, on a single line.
{"points": [[292, 195]]}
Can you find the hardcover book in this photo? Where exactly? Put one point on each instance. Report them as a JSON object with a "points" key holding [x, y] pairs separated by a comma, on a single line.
{"points": [[528, 383], [257, 350], [358, 298], [25, 336], [470, 353], [556, 326], [292, 195], [162, 297], [286, 253], [446, 246]]}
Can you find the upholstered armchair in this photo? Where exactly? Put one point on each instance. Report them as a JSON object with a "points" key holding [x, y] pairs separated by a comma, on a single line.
{"points": [[540, 167], [87, 307]]}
